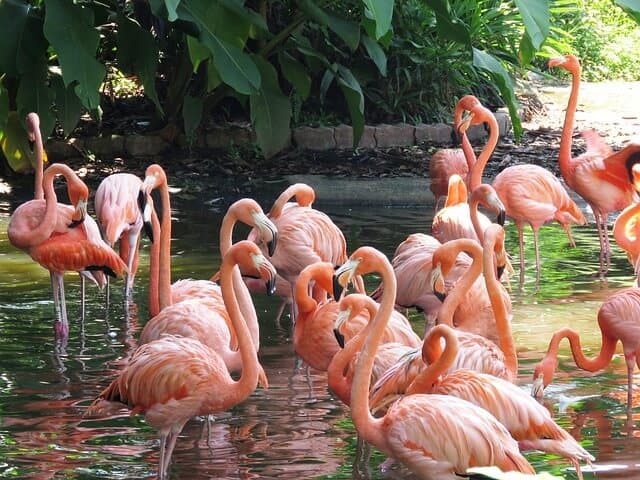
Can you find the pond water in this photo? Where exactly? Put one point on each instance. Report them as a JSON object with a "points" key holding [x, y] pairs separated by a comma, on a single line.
{"points": [[296, 428]]}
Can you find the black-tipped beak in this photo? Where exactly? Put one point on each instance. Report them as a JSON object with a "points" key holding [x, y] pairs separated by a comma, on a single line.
{"points": [[500, 219], [271, 285], [500, 270], [271, 246], [146, 224], [75, 223], [440, 295], [339, 337], [337, 289]]}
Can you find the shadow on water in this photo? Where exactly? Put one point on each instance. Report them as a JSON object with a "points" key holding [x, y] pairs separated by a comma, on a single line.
{"points": [[296, 428]]}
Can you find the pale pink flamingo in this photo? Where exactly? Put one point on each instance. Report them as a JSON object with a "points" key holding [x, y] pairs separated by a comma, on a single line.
{"points": [[306, 236], [599, 175], [449, 161], [175, 378], [398, 339], [530, 193], [117, 210], [528, 421], [55, 236], [435, 436], [619, 320], [626, 229]]}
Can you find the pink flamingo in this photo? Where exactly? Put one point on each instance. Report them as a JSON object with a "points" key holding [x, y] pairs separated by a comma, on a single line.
{"points": [[118, 213], [530, 193], [449, 161], [175, 378], [55, 236], [626, 229], [618, 319], [306, 236], [435, 436], [599, 175], [527, 420]]}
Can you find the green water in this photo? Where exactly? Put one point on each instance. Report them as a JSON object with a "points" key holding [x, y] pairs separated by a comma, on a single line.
{"points": [[296, 428]]}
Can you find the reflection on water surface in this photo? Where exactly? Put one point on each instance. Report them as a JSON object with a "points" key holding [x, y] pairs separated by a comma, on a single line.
{"points": [[296, 428]]}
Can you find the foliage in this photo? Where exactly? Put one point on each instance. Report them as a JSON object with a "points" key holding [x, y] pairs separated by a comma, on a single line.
{"points": [[274, 61]]}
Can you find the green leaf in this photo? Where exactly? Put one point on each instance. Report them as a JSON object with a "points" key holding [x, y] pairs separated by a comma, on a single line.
{"points": [[535, 15], [198, 53], [33, 45], [138, 54], [75, 43], [296, 74], [632, 7], [68, 105], [527, 51], [448, 26], [325, 83], [355, 101], [501, 77], [4, 106], [348, 31], [376, 54], [235, 67], [14, 141], [35, 95], [270, 111], [382, 13], [13, 18], [172, 7], [245, 14], [192, 114]]}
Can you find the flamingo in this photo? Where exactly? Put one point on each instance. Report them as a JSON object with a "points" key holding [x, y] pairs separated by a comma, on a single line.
{"points": [[175, 378], [449, 161], [435, 436], [306, 236], [116, 204], [55, 236], [599, 175], [528, 421], [398, 340], [530, 193], [618, 319], [461, 219]]}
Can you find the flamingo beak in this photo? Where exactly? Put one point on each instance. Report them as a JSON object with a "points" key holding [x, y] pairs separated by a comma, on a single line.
{"points": [[268, 231], [267, 272], [465, 123], [339, 337], [501, 217], [537, 387], [437, 283], [79, 213], [343, 276], [500, 270], [341, 318], [146, 209]]}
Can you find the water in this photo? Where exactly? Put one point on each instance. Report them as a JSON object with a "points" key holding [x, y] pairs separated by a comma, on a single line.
{"points": [[296, 428]]}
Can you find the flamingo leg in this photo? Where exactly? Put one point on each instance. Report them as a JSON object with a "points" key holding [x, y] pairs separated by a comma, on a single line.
{"points": [[607, 247], [171, 443], [521, 240], [163, 448], [132, 239], [631, 363], [61, 325], [598, 218], [83, 290], [537, 249]]}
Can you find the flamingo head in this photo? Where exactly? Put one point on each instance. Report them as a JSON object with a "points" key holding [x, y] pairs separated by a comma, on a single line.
{"points": [[154, 177], [79, 197], [344, 314], [250, 259], [466, 103], [437, 282], [488, 197], [268, 230], [568, 62], [542, 376], [362, 261]]}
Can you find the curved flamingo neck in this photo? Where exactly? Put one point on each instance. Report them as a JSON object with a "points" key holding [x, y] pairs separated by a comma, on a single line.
{"points": [[564, 155], [439, 361], [154, 267], [607, 349], [46, 226], [475, 177], [164, 277], [495, 291], [248, 380], [368, 426], [34, 125], [469, 155], [305, 298], [462, 286], [475, 218], [338, 368], [620, 231], [303, 193]]}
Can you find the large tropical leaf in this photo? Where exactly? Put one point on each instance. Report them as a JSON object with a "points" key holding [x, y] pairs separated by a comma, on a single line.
{"points": [[502, 79], [68, 105], [355, 101], [449, 27], [382, 13], [236, 68], [632, 7], [14, 141], [36, 95], [347, 30], [376, 54], [270, 111], [192, 114], [75, 42], [535, 15], [296, 74], [13, 17], [138, 54]]}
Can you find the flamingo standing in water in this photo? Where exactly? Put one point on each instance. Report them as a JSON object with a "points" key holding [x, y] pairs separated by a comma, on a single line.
{"points": [[117, 210], [55, 236], [527, 420], [175, 378], [618, 319], [530, 193], [306, 236], [436, 436], [451, 161], [599, 175]]}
